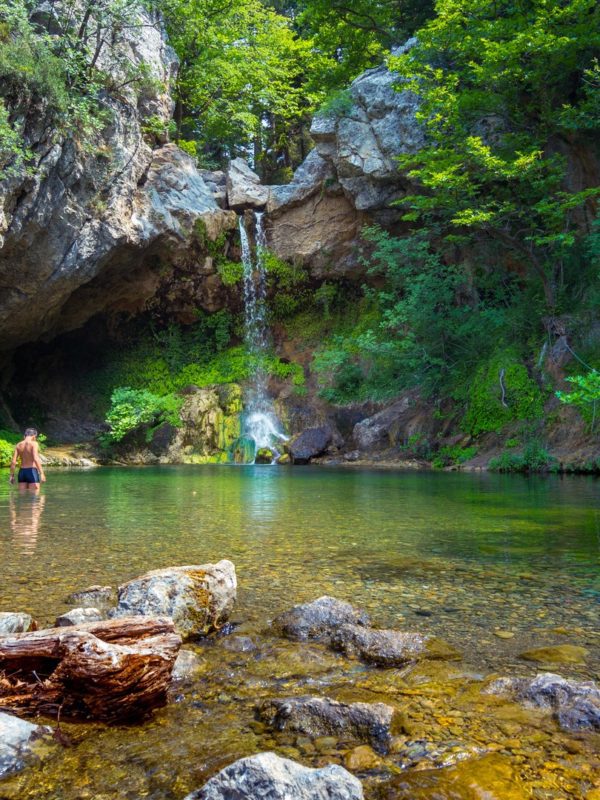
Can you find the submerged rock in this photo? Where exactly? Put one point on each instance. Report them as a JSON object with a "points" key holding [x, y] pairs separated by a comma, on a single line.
{"points": [[309, 444], [389, 648], [575, 704], [18, 740], [198, 598], [93, 597], [318, 620], [16, 622], [374, 723], [362, 758], [78, 615], [187, 664], [557, 654], [269, 777]]}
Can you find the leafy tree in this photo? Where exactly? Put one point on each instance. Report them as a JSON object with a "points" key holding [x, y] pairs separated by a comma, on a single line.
{"points": [[502, 85], [586, 392]]}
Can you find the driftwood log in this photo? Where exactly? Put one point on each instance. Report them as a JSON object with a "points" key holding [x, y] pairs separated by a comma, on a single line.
{"points": [[116, 671]]}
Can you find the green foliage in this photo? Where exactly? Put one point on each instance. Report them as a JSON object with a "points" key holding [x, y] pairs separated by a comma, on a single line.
{"points": [[230, 272], [338, 104], [585, 394], [451, 455], [535, 458], [131, 408], [502, 391], [287, 284], [8, 440], [493, 83], [156, 127]]}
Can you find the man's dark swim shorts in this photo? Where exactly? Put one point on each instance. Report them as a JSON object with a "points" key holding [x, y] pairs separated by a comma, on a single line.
{"points": [[28, 475]]}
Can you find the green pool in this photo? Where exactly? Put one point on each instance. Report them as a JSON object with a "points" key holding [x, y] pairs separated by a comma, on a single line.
{"points": [[464, 556]]}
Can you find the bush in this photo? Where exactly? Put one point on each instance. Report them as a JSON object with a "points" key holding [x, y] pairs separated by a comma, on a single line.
{"points": [[131, 408], [535, 458], [452, 455], [8, 440]]}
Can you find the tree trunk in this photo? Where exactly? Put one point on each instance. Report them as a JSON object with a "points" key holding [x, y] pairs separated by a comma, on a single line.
{"points": [[116, 671]]}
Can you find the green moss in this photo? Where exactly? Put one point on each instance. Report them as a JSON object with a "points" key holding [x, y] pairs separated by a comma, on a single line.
{"points": [[523, 399]]}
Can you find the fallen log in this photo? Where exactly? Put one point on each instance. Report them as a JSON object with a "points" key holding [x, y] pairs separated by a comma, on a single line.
{"points": [[116, 670]]}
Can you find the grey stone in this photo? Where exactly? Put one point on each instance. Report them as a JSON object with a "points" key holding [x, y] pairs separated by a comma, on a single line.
{"points": [[309, 444], [18, 742], [98, 597], [16, 622], [239, 644], [187, 665], [390, 648], [575, 704], [373, 723], [244, 189], [198, 598], [77, 616], [266, 776], [318, 619]]}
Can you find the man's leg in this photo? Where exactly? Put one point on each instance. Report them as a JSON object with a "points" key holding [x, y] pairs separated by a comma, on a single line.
{"points": [[35, 487], [23, 487]]}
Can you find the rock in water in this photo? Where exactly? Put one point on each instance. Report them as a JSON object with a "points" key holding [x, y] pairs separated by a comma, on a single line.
{"points": [[318, 620], [373, 723], [389, 648], [78, 615], [93, 597], [187, 664], [16, 622], [309, 444], [199, 598], [557, 654], [18, 742], [576, 704], [266, 776]]}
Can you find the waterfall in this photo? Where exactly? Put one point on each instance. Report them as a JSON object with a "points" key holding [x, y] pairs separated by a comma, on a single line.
{"points": [[260, 426]]}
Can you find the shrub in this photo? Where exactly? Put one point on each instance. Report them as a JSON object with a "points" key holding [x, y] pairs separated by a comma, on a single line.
{"points": [[131, 408], [535, 458], [8, 440], [585, 395], [451, 455]]}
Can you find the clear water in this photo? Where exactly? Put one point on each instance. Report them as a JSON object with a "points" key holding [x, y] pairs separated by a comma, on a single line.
{"points": [[459, 555]]}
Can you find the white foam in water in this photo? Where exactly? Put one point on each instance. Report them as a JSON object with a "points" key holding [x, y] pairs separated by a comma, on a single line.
{"points": [[260, 422]]}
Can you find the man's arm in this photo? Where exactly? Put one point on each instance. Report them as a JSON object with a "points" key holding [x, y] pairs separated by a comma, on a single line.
{"points": [[38, 463], [13, 465]]}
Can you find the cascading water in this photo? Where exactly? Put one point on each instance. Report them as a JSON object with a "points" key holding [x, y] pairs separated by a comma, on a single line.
{"points": [[260, 427]]}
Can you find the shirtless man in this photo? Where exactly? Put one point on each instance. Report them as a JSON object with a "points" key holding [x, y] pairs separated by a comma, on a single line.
{"points": [[31, 472]]}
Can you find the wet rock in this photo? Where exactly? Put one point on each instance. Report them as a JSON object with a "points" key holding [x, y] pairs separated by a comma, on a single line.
{"points": [[187, 664], [374, 723], [438, 754], [361, 759], [309, 444], [557, 654], [389, 648], [264, 455], [269, 777], [317, 620], [244, 189], [19, 741], [198, 598], [16, 622], [93, 597], [239, 644], [78, 615], [575, 704]]}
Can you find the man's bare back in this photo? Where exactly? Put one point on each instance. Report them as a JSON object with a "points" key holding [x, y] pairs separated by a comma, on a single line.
{"points": [[31, 471]]}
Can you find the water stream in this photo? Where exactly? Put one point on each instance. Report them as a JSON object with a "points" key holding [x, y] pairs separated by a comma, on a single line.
{"points": [[261, 429]]}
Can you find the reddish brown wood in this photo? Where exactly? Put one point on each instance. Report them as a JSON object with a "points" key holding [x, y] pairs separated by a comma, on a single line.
{"points": [[117, 670]]}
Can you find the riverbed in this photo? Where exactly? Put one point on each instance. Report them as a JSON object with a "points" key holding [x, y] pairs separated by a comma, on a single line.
{"points": [[494, 564]]}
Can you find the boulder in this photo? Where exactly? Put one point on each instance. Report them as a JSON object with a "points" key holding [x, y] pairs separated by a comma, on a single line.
{"points": [[16, 622], [318, 620], [575, 704], [373, 723], [198, 598], [93, 597], [244, 189], [78, 615], [269, 777], [187, 664], [390, 648], [309, 444], [18, 742], [390, 426]]}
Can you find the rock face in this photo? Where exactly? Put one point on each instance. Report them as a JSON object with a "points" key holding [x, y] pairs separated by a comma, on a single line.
{"points": [[389, 648], [16, 622], [199, 599], [244, 188], [269, 777], [309, 444], [351, 177], [93, 229], [18, 742], [319, 619], [576, 705], [78, 615], [319, 716], [394, 425]]}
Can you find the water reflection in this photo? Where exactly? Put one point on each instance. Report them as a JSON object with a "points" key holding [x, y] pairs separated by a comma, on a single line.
{"points": [[25, 516]]}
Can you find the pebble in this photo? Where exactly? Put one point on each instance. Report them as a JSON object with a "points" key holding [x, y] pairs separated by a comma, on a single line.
{"points": [[504, 634]]}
